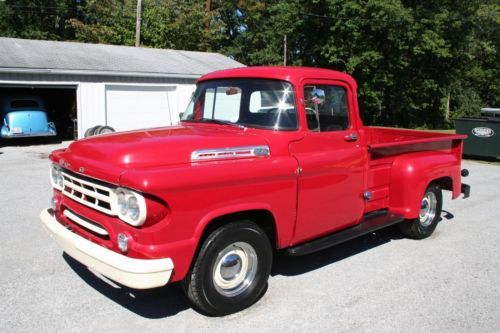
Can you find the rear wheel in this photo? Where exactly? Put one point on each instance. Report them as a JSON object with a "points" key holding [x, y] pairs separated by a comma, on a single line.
{"points": [[430, 211], [231, 270], [104, 130], [88, 132]]}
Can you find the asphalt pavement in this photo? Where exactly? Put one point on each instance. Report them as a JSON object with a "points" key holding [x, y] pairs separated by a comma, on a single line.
{"points": [[381, 282]]}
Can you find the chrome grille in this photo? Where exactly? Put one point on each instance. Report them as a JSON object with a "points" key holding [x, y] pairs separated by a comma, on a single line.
{"points": [[88, 193]]}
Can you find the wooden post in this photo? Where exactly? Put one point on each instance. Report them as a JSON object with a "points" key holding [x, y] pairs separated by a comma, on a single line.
{"points": [[447, 113], [208, 9], [138, 24], [284, 51]]}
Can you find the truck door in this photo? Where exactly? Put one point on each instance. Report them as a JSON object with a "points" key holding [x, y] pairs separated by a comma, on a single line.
{"points": [[332, 161]]}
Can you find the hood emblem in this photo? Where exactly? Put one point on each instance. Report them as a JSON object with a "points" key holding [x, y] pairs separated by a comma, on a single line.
{"points": [[81, 169]]}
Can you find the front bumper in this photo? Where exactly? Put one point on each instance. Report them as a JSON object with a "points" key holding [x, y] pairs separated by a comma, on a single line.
{"points": [[26, 135], [131, 272]]}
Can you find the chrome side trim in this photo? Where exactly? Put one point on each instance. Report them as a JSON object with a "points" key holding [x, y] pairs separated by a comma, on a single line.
{"points": [[229, 153]]}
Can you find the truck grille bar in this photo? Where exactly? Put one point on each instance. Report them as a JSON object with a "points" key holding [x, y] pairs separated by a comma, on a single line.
{"points": [[88, 193], [87, 224]]}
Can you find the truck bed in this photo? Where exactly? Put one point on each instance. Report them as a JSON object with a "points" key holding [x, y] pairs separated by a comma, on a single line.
{"points": [[386, 144], [383, 137]]}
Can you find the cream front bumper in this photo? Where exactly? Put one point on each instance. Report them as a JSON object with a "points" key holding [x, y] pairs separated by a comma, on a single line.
{"points": [[131, 272]]}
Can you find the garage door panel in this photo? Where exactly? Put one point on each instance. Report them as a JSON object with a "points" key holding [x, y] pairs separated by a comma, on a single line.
{"points": [[134, 107]]}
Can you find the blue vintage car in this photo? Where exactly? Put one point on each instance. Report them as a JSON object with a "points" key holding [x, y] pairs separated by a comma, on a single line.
{"points": [[25, 116]]}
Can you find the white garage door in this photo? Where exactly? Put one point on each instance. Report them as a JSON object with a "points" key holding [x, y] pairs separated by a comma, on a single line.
{"points": [[134, 107]]}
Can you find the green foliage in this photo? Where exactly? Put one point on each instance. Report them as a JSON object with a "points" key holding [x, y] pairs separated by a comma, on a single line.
{"points": [[35, 19], [104, 21], [417, 63]]}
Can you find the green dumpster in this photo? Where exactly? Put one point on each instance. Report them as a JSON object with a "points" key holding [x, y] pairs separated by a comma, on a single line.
{"points": [[483, 134]]}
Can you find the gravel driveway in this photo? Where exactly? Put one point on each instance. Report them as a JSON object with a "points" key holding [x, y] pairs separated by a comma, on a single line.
{"points": [[381, 282]]}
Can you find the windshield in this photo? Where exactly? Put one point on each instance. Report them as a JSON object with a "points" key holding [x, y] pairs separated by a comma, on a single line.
{"points": [[247, 102]]}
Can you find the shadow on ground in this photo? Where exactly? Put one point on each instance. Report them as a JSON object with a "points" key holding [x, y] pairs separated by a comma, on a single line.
{"points": [[152, 303], [170, 300], [291, 266], [34, 141]]}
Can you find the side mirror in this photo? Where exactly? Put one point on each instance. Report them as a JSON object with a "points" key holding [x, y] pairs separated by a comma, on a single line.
{"points": [[318, 96]]}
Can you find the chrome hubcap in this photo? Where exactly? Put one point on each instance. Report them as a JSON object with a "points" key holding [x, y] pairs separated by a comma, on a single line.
{"points": [[428, 209], [235, 269]]}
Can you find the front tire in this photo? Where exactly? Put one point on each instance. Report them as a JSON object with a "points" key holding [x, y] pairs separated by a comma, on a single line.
{"points": [[231, 270], [430, 212]]}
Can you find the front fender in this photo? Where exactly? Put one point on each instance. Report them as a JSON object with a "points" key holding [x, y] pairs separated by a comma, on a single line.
{"points": [[227, 210], [412, 173]]}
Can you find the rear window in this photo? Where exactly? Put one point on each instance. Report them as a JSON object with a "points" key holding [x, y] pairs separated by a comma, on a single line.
{"points": [[24, 103]]}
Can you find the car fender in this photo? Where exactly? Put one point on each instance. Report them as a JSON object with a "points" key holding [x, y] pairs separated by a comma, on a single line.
{"points": [[412, 173], [226, 210]]}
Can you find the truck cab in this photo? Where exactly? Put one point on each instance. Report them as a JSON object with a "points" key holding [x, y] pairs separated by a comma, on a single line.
{"points": [[265, 159]]}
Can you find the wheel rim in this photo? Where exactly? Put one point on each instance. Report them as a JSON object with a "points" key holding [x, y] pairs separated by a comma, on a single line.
{"points": [[428, 209], [235, 269]]}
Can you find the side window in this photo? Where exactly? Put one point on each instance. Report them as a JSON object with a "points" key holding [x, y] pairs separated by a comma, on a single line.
{"points": [[326, 108]]}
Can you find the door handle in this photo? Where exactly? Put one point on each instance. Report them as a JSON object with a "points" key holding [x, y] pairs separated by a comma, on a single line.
{"points": [[351, 137]]}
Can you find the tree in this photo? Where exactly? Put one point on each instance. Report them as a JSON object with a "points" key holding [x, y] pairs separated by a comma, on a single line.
{"points": [[104, 21], [417, 64], [35, 19]]}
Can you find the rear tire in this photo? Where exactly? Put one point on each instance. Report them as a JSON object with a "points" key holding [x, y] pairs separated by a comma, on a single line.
{"points": [[231, 270], [88, 132], [430, 212], [104, 130]]}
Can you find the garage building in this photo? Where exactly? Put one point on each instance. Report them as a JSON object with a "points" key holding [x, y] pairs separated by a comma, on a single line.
{"points": [[84, 85]]}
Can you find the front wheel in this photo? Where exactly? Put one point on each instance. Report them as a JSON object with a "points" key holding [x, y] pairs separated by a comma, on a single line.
{"points": [[430, 212], [231, 270]]}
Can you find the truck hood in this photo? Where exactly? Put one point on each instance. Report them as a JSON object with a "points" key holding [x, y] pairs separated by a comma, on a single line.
{"points": [[107, 156]]}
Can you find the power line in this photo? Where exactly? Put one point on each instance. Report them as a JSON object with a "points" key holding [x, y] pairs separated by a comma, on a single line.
{"points": [[371, 19]]}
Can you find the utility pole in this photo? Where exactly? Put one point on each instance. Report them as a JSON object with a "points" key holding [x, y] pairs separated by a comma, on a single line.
{"points": [[284, 51], [208, 9], [138, 24]]}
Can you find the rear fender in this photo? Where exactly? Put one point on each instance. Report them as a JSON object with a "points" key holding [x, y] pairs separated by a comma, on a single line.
{"points": [[412, 173]]}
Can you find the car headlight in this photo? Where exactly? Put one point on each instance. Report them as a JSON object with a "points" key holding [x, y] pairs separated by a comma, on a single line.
{"points": [[56, 177], [130, 206]]}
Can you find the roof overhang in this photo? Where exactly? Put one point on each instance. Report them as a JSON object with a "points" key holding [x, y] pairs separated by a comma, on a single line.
{"points": [[48, 71]]}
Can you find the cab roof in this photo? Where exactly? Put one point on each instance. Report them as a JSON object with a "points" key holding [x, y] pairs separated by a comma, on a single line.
{"points": [[289, 73]]}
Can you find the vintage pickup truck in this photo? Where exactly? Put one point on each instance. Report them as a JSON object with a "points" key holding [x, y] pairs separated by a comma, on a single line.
{"points": [[265, 159]]}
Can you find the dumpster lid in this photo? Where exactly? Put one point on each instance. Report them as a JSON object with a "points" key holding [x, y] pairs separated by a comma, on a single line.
{"points": [[490, 112]]}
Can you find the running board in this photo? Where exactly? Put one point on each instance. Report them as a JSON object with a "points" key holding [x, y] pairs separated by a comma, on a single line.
{"points": [[370, 223]]}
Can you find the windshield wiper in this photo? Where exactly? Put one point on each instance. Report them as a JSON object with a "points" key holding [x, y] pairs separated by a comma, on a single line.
{"points": [[221, 122]]}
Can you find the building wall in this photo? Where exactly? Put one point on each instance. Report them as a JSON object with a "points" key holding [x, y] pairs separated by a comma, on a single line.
{"points": [[91, 92], [93, 104]]}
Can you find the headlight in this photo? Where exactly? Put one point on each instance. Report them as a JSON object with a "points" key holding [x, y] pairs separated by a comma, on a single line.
{"points": [[56, 177], [130, 206]]}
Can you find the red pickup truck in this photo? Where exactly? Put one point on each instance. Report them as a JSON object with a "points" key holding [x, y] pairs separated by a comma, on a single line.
{"points": [[265, 159]]}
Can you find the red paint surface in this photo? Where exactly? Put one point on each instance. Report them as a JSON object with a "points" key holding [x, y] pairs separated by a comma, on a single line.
{"points": [[312, 183]]}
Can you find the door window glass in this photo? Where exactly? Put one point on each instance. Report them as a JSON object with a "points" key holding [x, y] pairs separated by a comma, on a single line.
{"points": [[326, 108]]}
